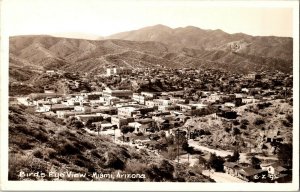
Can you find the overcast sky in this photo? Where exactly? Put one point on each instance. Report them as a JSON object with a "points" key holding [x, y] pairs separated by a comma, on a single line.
{"points": [[103, 18]]}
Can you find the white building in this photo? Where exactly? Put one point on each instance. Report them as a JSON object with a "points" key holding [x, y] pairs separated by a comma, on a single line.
{"points": [[128, 111], [118, 71], [141, 99]]}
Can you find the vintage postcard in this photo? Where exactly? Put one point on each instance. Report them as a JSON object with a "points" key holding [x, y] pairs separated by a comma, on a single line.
{"points": [[149, 95]]}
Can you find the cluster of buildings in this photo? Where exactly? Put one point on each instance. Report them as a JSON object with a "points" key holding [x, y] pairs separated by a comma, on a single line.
{"points": [[195, 93], [269, 172], [160, 99]]}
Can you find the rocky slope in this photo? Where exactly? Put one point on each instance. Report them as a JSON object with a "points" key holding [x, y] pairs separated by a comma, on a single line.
{"points": [[44, 144], [196, 38], [255, 122], [157, 46]]}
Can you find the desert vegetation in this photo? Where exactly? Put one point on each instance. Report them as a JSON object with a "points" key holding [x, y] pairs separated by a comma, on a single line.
{"points": [[45, 144]]}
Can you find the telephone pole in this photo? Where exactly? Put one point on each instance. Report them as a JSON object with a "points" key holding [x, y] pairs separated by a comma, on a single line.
{"points": [[178, 146], [188, 136]]}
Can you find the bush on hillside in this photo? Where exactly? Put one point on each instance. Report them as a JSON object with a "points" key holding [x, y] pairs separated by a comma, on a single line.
{"points": [[259, 121]]}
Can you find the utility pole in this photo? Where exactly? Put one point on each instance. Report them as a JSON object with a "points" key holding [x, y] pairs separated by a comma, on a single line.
{"points": [[177, 147], [114, 134], [188, 136]]}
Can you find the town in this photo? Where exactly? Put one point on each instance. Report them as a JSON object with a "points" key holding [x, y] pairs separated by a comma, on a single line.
{"points": [[220, 120]]}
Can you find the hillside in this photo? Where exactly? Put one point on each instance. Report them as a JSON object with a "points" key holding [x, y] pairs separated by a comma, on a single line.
{"points": [[249, 131], [157, 46], [44, 144], [196, 38]]}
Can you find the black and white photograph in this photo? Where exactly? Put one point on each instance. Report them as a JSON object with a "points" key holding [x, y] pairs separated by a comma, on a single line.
{"points": [[149, 95]]}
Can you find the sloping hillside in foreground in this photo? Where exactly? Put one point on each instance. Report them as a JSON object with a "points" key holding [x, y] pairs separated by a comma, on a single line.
{"points": [[40, 144]]}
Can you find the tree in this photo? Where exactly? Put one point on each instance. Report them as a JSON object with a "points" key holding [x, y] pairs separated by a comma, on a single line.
{"points": [[185, 146], [235, 157], [89, 123], [202, 161], [216, 162], [162, 134], [73, 122], [126, 129], [255, 162], [285, 154], [170, 140]]}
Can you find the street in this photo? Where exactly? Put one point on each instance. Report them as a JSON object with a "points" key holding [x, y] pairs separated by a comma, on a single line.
{"points": [[222, 177]]}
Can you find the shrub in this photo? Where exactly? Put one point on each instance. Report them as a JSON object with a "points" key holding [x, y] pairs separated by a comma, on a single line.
{"points": [[259, 121], [236, 131], [207, 132], [227, 129], [243, 126], [139, 134], [38, 134], [43, 129], [166, 169], [29, 164], [235, 157], [51, 152], [23, 128], [73, 122], [289, 117], [236, 122], [113, 161], [244, 122], [201, 132], [255, 162], [263, 105], [153, 173], [171, 153], [38, 154], [17, 108], [202, 161], [62, 160], [95, 153], [66, 133], [286, 123], [54, 119], [285, 154], [68, 149], [17, 119], [16, 162], [79, 163], [43, 137], [216, 162], [21, 141], [162, 172], [88, 144], [135, 167]]}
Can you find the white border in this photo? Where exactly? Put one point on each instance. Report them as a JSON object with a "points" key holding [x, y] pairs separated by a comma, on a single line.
{"points": [[150, 186]]}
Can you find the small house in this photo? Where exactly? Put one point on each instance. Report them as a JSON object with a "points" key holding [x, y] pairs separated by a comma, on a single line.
{"points": [[251, 174]]}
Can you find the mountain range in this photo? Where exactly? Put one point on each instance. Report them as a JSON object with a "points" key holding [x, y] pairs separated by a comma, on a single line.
{"points": [[155, 46]]}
